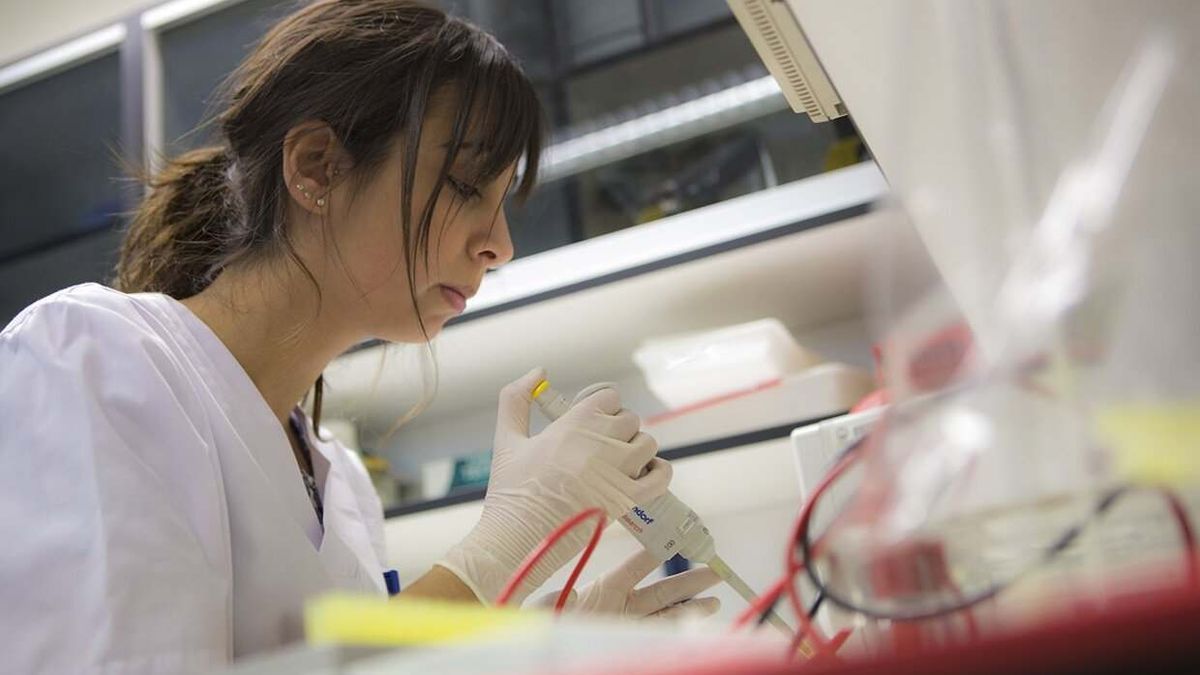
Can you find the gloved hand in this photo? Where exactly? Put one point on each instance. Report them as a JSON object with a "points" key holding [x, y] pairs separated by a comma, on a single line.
{"points": [[669, 598], [591, 456]]}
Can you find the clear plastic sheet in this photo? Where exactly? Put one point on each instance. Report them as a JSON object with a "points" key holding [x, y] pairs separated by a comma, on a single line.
{"points": [[1050, 169]]}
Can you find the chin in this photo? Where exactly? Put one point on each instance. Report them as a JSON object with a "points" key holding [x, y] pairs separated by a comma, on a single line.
{"points": [[411, 333], [434, 328]]}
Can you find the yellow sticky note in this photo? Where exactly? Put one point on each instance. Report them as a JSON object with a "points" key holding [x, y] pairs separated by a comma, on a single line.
{"points": [[370, 621], [1155, 443]]}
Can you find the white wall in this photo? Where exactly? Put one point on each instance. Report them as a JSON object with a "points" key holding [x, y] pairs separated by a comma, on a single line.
{"points": [[29, 27]]}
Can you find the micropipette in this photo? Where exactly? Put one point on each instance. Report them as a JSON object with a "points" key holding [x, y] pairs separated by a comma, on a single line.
{"points": [[665, 526]]}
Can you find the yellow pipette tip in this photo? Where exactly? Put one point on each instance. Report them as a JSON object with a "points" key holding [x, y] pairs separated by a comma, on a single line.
{"points": [[541, 388]]}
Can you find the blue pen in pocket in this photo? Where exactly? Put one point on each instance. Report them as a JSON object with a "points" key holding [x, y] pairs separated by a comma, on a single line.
{"points": [[391, 578]]}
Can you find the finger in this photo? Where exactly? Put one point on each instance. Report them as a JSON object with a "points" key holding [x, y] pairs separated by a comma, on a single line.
{"points": [[629, 573], [545, 601], [512, 415], [621, 427], [593, 388], [671, 591], [696, 608], [642, 449], [619, 493], [548, 600], [606, 401], [653, 483]]}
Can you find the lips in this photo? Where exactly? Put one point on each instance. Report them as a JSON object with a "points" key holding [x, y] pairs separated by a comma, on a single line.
{"points": [[456, 297]]}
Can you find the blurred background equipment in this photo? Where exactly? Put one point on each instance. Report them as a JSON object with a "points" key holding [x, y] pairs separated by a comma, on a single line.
{"points": [[1038, 452]]}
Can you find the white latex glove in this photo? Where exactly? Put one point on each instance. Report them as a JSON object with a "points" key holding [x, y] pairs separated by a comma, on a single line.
{"points": [[588, 457], [616, 592]]}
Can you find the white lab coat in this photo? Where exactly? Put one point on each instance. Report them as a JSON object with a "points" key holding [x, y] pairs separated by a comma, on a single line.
{"points": [[153, 518]]}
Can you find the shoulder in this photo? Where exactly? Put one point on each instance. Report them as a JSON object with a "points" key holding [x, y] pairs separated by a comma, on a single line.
{"points": [[84, 302], [83, 317], [90, 342]]}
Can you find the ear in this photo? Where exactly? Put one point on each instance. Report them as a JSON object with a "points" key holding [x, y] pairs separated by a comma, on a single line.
{"points": [[313, 161]]}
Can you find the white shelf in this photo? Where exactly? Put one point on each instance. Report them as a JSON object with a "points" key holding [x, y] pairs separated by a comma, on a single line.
{"points": [[72, 53], [720, 110], [680, 235]]}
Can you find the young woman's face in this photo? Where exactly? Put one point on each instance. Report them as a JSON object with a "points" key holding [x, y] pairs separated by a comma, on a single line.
{"points": [[468, 235]]}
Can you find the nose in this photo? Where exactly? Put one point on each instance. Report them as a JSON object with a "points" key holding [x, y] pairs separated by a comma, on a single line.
{"points": [[495, 247]]}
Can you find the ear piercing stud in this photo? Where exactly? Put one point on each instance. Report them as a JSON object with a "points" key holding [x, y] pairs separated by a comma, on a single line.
{"points": [[308, 195]]}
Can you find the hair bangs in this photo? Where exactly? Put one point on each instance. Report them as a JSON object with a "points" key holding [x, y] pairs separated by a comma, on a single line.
{"points": [[499, 121]]}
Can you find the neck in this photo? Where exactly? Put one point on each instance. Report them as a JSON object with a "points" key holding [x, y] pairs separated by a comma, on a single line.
{"points": [[275, 329]]}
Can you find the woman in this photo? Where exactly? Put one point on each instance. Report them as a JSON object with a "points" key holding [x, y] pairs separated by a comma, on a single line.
{"points": [[166, 505]]}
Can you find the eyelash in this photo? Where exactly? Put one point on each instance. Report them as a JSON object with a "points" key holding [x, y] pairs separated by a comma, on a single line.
{"points": [[463, 189]]}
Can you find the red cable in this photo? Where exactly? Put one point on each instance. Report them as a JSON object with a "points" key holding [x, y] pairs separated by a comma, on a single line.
{"points": [[548, 542], [760, 604], [787, 583], [794, 646], [793, 566], [972, 626], [807, 631], [565, 593]]}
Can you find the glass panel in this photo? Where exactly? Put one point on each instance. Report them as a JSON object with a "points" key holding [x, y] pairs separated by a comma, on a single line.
{"points": [[683, 15], [779, 148], [198, 55], [527, 31], [58, 179], [655, 79], [596, 30], [90, 257], [522, 26], [546, 221]]}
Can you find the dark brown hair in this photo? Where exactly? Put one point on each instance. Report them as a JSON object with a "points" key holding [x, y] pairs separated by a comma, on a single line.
{"points": [[366, 68]]}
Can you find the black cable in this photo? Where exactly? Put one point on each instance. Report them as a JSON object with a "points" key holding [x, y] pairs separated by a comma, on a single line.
{"points": [[1061, 544], [812, 609], [1068, 537], [762, 617]]}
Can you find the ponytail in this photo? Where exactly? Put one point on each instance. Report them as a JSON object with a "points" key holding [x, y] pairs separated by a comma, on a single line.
{"points": [[178, 236]]}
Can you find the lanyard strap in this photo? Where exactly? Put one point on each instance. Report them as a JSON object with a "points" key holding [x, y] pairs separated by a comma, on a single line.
{"points": [[296, 419]]}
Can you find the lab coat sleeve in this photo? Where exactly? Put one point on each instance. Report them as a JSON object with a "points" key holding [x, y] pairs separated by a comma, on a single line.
{"points": [[111, 512]]}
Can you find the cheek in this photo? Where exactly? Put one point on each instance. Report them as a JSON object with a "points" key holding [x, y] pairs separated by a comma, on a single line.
{"points": [[371, 246], [449, 234], [380, 266]]}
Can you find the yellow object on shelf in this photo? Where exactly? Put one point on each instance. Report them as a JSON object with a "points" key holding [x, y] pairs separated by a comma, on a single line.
{"points": [[842, 153], [346, 619], [375, 464], [1156, 443]]}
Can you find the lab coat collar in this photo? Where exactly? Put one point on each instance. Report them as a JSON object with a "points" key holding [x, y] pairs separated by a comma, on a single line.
{"points": [[343, 544], [346, 549], [264, 435]]}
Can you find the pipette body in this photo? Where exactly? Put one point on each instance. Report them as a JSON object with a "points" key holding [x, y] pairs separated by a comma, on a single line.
{"points": [[666, 526]]}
